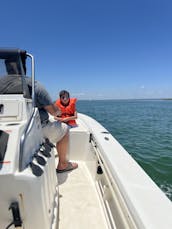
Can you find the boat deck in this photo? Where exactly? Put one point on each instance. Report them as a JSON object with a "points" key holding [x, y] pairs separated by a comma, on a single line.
{"points": [[79, 206]]}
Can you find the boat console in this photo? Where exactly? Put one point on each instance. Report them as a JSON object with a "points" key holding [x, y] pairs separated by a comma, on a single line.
{"points": [[29, 193]]}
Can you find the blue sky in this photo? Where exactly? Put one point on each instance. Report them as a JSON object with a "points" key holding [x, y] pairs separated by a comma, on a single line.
{"points": [[96, 49]]}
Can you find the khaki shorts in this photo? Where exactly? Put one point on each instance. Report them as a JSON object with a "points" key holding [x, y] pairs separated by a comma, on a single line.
{"points": [[55, 131]]}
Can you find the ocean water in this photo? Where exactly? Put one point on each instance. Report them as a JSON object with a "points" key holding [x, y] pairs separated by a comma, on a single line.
{"points": [[143, 128]]}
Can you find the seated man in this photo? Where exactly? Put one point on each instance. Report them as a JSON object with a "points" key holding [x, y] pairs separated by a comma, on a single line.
{"points": [[56, 131]]}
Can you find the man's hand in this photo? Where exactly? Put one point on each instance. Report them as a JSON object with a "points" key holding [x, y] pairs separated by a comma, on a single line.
{"points": [[58, 119], [58, 113]]}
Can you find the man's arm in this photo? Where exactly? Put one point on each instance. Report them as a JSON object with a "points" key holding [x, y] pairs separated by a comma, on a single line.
{"points": [[53, 110]]}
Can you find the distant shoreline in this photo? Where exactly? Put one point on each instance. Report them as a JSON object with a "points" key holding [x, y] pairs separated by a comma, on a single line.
{"points": [[124, 99]]}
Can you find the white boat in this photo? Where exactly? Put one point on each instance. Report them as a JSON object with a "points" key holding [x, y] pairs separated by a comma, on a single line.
{"points": [[108, 190]]}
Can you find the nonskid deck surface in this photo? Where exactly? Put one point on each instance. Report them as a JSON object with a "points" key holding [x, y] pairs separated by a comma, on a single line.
{"points": [[79, 206]]}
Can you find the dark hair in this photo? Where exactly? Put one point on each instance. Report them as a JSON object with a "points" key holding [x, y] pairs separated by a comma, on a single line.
{"points": [[64, 92]]}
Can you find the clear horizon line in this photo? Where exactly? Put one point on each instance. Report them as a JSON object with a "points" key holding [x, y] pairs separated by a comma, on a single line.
{"points": [[126, 99]]}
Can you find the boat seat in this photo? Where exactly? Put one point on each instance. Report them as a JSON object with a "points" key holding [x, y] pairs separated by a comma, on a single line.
{"points": [[79, 141]]}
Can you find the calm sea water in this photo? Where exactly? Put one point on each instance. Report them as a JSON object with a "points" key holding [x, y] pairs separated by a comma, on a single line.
{"points": [[144, 128]]}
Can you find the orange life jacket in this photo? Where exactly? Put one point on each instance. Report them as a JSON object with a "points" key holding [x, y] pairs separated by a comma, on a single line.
{"points": [[68, 111]]}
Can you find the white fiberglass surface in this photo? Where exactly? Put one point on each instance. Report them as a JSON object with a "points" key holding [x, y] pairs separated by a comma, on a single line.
{"points": [[79, 205]]}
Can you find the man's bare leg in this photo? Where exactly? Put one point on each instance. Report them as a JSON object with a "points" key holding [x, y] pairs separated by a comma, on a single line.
{"points": [[62, 149]]}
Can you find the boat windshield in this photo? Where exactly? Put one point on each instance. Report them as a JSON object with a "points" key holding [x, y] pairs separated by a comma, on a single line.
{"points": [[10, 64], [12, 73]]}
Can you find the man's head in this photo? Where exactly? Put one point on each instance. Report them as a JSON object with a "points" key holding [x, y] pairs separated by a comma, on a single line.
{"points": [[64, 97]]}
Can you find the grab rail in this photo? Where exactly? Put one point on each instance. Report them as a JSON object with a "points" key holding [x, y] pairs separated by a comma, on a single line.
{"points": [[33, 77], [30, 122], [23, 138]]}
